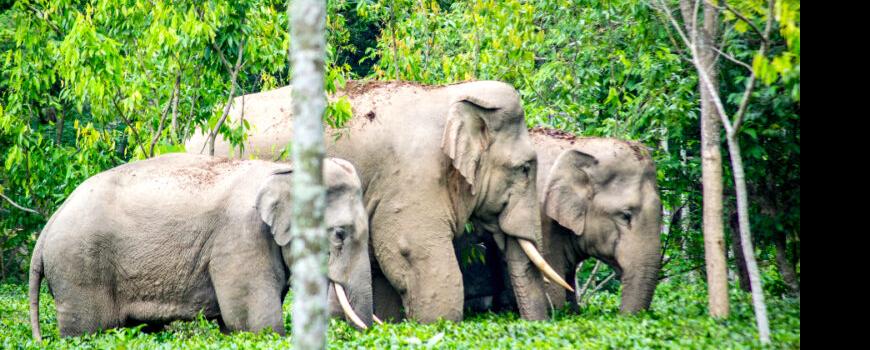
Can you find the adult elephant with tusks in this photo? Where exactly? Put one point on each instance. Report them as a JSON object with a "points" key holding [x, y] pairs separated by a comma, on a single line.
{"points": [[179, 235], [599, 199], [431, 159]]}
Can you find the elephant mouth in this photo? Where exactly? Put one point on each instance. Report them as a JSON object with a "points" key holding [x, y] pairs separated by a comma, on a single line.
{"points": [[539, 262], [348, 310]]}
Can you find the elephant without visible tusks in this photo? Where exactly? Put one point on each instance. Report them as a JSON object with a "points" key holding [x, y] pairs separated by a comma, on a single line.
{"points": [[163, 239], [599, 199], [431, 159]]}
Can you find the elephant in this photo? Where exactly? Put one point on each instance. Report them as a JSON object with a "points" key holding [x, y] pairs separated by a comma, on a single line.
{"points": [[599, 199], [431, 159], [165, 238]]}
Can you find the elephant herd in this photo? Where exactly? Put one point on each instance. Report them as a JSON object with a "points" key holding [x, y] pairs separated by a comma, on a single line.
{"points": [[166, 238]]}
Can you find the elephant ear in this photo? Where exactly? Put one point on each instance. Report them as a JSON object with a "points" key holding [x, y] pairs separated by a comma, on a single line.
{"points": [[274, 204], [569, 190], [479, 111]]}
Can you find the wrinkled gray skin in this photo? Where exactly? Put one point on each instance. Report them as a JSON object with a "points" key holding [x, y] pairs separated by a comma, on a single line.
{"points": [[162, 239], [430, 159], [599, 199]]}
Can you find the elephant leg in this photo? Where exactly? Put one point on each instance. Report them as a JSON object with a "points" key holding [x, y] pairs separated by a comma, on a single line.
{"points": [[387, 302], [526, 282], [416, 255], [250, 301], [85, 310], [250, 306]]}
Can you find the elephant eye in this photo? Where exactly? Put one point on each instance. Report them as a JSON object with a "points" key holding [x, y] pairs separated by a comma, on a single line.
{"points": [[527, 168], [626, 217], [338, 234]]}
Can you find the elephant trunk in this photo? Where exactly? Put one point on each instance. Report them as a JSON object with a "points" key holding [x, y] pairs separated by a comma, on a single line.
{"points": [[352, 316], [520, 221], [360, 291], [639, 284], [640, 256], [526, 281], [350, 295]]}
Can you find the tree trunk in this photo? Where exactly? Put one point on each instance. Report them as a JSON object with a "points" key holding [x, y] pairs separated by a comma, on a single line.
{"points": [[687, 225], [711, 158], [174, 132], [309, 245], [59, 129], [786, 270], [746, 240], [737, 249], [393, 20]]}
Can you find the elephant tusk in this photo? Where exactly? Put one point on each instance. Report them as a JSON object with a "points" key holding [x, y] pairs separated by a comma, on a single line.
{"points": [[345, 306], [538, 260], [377, 320]]}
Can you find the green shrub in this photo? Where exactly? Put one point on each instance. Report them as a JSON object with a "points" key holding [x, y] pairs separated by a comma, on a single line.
{"points": [[678, 319]]}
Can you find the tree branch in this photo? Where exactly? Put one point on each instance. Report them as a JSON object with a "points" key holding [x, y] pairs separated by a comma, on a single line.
{"points": [[747, 94], [127, 121], [681, 272], [16, 205], [174, 125], [164, 114], [731, 58], [597, 288], [675, 220], [44, 17], [589, 280], [223, 58], [739, 16], [217, 127]]}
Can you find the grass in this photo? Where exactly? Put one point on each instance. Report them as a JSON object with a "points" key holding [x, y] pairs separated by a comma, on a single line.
{"points": [[678, 320]]}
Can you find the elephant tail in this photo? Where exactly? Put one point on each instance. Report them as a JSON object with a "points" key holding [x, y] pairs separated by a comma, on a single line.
{"points": [[36, 269]]}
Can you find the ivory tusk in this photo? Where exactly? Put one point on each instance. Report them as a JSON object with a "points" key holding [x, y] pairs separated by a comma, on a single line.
{"points": [[377, 320], [345, 306], [541, 264]]}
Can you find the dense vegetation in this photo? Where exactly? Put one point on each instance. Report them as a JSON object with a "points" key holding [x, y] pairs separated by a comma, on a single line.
{"points": [[88, 85], [678, 320]]}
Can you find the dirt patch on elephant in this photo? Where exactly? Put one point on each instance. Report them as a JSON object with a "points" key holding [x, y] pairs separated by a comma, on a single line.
{"points": [[370, 115], [355, 88], [554, 133], [640, 151], [206, 173]]}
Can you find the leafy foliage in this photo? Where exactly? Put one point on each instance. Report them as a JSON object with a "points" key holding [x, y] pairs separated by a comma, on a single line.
{"points": [[615, 68], [88, 85], [678, 320]]}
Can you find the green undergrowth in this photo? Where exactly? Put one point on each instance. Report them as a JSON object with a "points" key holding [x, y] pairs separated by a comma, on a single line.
{"points": [[678, 320]]}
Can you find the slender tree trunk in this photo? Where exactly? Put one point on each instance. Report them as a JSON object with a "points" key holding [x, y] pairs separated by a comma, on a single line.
{"points": [[786, 270], [795, 252], [309, 245], [59, 125], [393, 20], [687, 224], [2, 264], [233, 76], [425, 13], [737, 249], [174, 125], [711, 158], [746, 240]]}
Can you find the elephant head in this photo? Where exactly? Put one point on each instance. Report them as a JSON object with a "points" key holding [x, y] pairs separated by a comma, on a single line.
{"points": [[487, 142], [346, 222], [602, 195]]}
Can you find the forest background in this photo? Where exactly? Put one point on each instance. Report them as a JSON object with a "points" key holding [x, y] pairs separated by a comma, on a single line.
{"points": [[89, 85]]}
